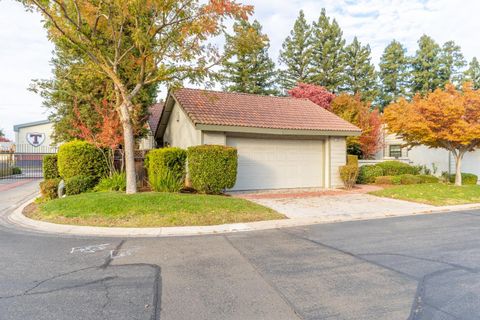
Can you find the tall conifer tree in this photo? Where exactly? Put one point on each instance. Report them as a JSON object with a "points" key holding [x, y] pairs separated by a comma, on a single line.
{"points": [[295, 54], [248, 67], [452, 63], [393, 73], [472, 74], [426, 67]]}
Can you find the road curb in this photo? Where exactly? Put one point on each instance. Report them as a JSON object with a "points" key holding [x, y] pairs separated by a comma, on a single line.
{"points": [[17, 218]]}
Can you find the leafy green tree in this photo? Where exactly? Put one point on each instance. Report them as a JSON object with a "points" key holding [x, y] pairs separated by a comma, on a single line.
{"points": [[393, 73], [328, 56], [360, 74], [295, 54], [426, 67], [452, 63], [472, 74], [157, 42], [247, 67]]}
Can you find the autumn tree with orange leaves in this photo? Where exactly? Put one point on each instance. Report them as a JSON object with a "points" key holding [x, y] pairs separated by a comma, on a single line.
{"points": [[154, 41], [447, 119]]}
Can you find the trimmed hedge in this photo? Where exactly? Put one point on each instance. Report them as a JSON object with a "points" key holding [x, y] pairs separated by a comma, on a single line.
{"points": [[166, 169], [212, 168], [368, 173], [388, 180], [80, 158], [405, 179], [396, 168], [410, 179], [79, 184], [467, 178], [428, 178], [49, 188], [50, 167]]}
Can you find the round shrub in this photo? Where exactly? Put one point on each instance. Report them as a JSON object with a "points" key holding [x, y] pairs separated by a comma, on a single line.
{"points": [[212, 168], [49, 166], [368, 173], [166, 169], [396, 168], [428, 178], [49, 188], [349, 174], [467, 178], [80, 158], [79, 184], [410, 179]]}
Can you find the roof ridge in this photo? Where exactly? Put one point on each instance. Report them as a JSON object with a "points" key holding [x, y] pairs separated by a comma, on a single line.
{"points": [[242, 93]]}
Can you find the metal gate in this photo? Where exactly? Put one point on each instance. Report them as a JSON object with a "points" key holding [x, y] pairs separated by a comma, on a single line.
{"points": [[23, 162]]}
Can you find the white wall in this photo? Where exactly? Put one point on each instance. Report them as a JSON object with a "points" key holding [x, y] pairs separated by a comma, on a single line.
{"points": [[338, 158], [424, 156], [218, 138], [180, 131]]}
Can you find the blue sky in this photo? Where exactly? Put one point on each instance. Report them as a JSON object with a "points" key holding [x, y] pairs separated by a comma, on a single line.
{"points": [[25, 51]]}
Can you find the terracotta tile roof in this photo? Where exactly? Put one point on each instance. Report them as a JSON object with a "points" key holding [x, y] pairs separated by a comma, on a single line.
{"points": [[155, 111], [249, 110]]}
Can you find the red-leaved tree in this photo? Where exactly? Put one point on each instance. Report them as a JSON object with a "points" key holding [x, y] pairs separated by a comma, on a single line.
{"points": [[106, 134], [317, 94]]}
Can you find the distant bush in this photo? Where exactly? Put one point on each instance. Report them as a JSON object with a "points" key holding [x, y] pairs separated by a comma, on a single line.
{"points": [[117, 182], [368, 173], [16, 170], [410, 179], [388, 180], [396, 168], [80, 158], [50, 167], [79, 184], [428, 178], [467, 178], [166, 169], [49, 188], [212, 168]]}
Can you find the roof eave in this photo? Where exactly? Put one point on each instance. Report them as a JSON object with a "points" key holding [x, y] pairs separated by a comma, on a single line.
{"points": [[291, 132], [17, 127]]}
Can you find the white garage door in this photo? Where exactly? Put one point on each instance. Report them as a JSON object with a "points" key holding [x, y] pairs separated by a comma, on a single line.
{"points": [[276, 164]]}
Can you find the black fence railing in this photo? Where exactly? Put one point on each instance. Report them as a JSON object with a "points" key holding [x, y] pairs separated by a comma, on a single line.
{"points": [[23, 161]]}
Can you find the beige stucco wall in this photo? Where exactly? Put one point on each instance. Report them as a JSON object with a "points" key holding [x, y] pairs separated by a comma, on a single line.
{"points": [[338, 158], [218, 138], [180, 131]]}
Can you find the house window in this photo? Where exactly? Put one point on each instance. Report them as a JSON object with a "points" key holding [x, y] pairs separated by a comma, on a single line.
{"points": [[395, 151]]}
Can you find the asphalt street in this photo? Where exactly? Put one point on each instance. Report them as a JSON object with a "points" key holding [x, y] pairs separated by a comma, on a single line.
{"points": [[418, 267]]}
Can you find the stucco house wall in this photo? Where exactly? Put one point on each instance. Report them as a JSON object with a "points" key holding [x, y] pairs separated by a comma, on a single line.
{"points": [[180, 131]]}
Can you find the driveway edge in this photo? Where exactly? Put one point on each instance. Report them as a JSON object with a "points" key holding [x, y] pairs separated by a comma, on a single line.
{"points": [[17, 218]]}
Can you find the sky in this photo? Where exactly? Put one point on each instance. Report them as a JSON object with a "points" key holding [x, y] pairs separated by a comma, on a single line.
{"points": [[25, 51]]}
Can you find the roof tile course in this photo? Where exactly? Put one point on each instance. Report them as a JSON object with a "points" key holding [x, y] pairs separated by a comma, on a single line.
{"points": [[249, 110]]}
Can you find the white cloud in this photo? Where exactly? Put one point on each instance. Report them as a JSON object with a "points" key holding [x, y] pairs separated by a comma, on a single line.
{"points": [[25, 51]]}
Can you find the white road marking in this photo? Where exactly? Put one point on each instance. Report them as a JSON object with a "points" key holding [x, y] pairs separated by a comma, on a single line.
{"points": [[90, 249]]}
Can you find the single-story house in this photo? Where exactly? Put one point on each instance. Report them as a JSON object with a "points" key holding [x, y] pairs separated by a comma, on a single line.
{"points": [[282, 142]]}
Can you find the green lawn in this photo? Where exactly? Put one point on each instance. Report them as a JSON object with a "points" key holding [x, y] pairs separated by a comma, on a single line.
{"points": [[435, 194], [111, 209]]}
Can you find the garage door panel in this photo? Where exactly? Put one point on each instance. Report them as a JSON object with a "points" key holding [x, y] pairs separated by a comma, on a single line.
{"points": [[276, 163]]}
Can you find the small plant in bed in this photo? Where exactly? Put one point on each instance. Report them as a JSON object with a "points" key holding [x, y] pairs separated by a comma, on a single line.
{"points": [[150, 209]]}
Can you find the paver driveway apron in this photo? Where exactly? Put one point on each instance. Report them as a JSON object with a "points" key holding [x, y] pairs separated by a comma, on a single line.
{"points": [[341, 206]]}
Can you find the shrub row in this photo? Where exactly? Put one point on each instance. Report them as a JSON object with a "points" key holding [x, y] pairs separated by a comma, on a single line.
{"points": [[166, 169], [467, 178], [405, 179], [369, 173]]}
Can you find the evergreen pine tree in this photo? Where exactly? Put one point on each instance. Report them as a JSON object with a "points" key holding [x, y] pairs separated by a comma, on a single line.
{"points": [[426, 67], [452, 63], [295, 54], [393, 73], [360, 74], [472, 74], [328, 56], [248, 68]]}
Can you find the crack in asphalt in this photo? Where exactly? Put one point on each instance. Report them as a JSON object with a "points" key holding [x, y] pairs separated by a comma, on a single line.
{"points": [[156, 288], [419, 299], [270, 284]]}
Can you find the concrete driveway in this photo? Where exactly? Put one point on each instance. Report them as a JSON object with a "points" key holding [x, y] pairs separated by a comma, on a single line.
{"points": [[337, 205], [417, 267]]}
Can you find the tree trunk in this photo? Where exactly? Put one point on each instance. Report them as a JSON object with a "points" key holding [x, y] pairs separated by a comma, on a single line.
{"points": [[129, 149], [458, 169]]}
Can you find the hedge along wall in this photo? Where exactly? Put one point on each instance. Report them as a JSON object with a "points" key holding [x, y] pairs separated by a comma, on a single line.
{"points": [[80, 158], [50, 167], [166, 169], [212, 168]]}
